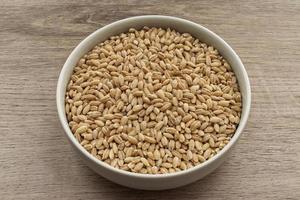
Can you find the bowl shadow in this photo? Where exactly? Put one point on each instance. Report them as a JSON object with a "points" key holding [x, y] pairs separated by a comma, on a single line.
{"points": [[115, 191]]}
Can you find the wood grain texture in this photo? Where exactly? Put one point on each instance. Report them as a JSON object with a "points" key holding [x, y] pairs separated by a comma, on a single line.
{"points": [[36, 161]]}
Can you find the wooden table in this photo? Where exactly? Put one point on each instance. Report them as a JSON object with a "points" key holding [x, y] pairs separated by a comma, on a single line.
{"points": [[36, 37]]}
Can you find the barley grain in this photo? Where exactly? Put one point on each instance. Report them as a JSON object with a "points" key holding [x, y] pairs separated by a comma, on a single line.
{"points": [[153, 101]]}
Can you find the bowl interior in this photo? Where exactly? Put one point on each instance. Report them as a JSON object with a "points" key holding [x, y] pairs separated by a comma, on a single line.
{"points": [[178, 24]]}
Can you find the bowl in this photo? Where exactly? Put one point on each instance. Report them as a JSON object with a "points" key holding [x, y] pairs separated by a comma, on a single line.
{"points": [[150, 181]]}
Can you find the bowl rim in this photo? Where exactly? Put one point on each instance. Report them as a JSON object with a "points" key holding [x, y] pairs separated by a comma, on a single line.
{"points": [[60, 95]]}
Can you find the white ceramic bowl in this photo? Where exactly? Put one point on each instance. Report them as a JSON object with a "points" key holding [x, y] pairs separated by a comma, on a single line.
{"points": [[161, 181]]}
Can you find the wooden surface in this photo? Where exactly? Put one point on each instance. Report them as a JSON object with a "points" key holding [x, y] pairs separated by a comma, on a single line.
{"points": [[36, 37]]}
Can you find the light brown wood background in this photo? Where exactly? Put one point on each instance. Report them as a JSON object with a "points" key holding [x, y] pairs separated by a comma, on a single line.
{"points": [[36, 37]]}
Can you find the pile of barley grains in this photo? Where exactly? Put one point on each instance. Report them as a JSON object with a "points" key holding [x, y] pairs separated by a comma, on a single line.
{"points": [[153, 101]]}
